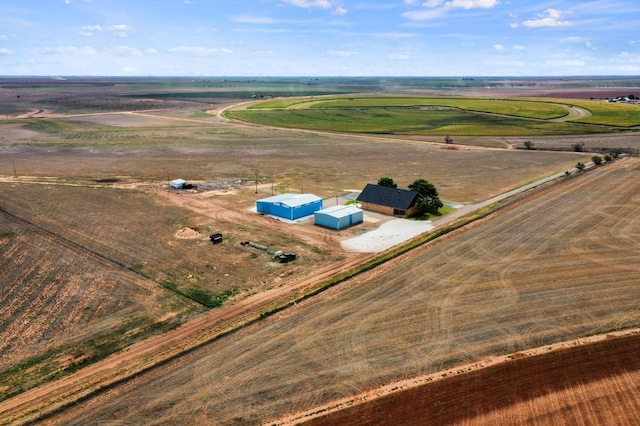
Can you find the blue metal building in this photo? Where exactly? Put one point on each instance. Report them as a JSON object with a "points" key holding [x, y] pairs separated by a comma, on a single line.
{"points": [[290, 206], [339, 217]]}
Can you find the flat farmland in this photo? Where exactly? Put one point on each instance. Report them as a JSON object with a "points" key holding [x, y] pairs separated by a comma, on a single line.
{"points": [[90, 270], [291, 160], [556, 266], [64, 306]]}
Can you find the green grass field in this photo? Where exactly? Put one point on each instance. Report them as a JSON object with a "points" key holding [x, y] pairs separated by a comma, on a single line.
{"points": [[606, 113], [409, 121], [440, 115]]}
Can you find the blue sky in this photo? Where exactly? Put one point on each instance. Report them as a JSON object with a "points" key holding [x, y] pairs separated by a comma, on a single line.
{"points": [[319, 37]]}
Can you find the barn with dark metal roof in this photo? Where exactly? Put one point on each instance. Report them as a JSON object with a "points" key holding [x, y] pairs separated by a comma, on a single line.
{"points": [[387, 200]]}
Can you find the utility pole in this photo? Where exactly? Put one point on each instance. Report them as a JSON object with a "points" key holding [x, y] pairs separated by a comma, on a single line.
{"points": [[14, 168], [256, 182]]}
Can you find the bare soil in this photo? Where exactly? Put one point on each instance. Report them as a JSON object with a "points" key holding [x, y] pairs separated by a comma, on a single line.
{"points": [[579, 385], [531, 276]]}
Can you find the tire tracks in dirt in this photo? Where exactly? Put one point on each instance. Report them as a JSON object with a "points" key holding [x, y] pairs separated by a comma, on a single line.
{"points": [[158, 350]]}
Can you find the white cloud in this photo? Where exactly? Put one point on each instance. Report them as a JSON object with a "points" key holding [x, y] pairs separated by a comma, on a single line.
{"points": [[341, 53], [549, 18], [310, 4], [473, 4], [150, 52], [4, 37], [399, 57], [124, 51], [424, 15], [5, 51], [88, 30], [498, 47], [573, 63], [395, 35], [464, 4], [629, 69], [573, 39], [68, 50], [341, 11], [198, 51], [263, 53], [120, 30], [629, 57], [518, 47], [91, 28], [248, 19]]}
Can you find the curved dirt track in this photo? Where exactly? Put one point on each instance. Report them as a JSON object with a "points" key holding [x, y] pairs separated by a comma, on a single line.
{"points": [[577, 385]]}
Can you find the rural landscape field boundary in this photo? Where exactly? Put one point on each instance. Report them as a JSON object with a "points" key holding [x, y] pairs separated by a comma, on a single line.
{"points": [[459, 370], [155, 351]]}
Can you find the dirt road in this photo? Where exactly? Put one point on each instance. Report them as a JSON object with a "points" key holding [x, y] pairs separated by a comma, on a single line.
{"points": [[157, 349], [218, 322]]}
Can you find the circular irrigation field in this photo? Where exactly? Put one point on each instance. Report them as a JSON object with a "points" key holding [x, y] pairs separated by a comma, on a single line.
{"points": [[457, 116]]}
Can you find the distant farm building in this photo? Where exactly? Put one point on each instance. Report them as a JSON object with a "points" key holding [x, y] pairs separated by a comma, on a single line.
{"points": [[338, 217], [290, 206], [387, 200], [178, 183]]}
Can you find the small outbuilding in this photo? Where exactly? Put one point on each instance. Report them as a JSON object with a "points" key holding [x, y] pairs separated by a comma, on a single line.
{"points": [[339, 217], [387, 200], [290, 206], [178, 183]]}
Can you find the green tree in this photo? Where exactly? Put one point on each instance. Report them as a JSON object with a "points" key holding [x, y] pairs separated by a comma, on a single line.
{"points": [[429, 201], [580, 166], [597, 160], [387, 181], [528, 145], [607, 158]]}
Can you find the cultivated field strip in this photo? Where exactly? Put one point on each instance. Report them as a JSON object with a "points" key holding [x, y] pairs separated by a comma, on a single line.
{"points": [[552, 268], [67, 297], [592, 383]]}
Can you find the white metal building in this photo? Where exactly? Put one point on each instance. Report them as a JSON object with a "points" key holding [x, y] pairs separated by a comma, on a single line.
{"points": [[339, 217]]}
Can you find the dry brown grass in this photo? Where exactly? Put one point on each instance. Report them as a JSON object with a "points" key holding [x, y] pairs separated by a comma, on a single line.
{"points": [[324, 164], [541, 271]]}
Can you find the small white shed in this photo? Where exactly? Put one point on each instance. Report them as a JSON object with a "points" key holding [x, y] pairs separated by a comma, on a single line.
{"points": [[177, 183]]}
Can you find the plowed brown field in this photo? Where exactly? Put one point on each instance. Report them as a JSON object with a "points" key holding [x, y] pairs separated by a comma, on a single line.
{"points": [[594, 384], [557, 266]]}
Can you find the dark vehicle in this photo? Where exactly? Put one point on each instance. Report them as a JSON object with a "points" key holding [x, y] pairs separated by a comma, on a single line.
{"points": [[286, 257], [216, 238]]}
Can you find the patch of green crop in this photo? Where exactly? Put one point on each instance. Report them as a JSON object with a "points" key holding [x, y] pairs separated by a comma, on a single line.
{"points": [[517, 108], [605, 113], [408, 121], [439, 115], [44, 125]]}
